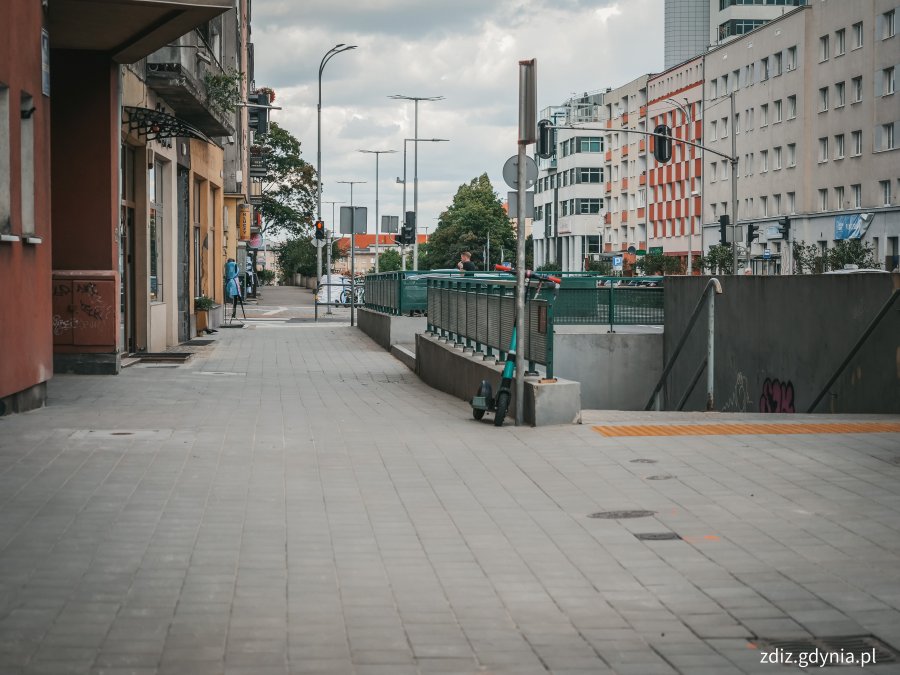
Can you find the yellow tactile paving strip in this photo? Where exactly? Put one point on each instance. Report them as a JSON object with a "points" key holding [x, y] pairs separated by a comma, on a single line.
{"points": [[746, 429]]}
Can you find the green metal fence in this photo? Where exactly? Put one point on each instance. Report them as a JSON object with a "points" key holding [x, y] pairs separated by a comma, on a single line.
{"points": [[610, 301], [479, 313], [399, 293]]}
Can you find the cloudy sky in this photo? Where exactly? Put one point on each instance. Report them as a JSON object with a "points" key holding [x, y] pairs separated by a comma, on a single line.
{"points": [[464, 50]]}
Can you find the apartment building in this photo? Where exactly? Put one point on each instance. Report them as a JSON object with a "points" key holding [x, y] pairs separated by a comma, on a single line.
{"points": [[625, 167], [569, 202], [807, 105], [675, 198]]}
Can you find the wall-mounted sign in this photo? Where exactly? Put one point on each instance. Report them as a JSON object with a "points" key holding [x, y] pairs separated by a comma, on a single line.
{"points": [[244, 222]]}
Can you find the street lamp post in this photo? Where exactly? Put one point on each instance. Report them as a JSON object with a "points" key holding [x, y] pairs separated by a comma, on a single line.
{"points": [[334, 51], [405, 141], [351, 183], [416, 99], [377, 222]]}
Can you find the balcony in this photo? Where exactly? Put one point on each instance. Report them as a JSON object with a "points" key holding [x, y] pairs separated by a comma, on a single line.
{"points": [[609, 187], [624, 151], [624, 118], [624, 183], [642, 145], [642, 179], [624, 216], [643, 112], [640, 213], [609, 155], [127, 30], [607, 219], [178, 74]]}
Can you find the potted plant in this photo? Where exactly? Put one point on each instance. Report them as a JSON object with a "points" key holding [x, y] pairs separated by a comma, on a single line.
{"points": [[202, 305]]}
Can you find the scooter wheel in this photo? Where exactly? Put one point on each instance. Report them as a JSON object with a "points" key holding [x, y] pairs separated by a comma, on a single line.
{"points": [[502, 406], [477, 413]]}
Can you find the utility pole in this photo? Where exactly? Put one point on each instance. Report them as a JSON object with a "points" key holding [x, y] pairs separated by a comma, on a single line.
{"points": [[734, 199]]}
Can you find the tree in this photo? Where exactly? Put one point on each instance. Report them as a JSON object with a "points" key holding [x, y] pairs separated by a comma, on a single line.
{"points": [[390, 261], [653, 264], [807, 259], [289, 186], [719, 259], [851, 252], [601, 266], [298, 256], [475, 213]]}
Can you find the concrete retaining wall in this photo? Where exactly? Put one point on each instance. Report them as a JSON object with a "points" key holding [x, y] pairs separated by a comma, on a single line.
{"points": [[449, 369], [778, 340], [388, 330], [617, 371]]}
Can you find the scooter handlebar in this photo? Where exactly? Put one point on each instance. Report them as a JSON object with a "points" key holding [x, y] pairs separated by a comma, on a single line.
{"points": [[530, 275]]}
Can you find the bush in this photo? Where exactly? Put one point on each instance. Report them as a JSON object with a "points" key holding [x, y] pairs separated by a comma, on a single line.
{"points": [[203, 303]]}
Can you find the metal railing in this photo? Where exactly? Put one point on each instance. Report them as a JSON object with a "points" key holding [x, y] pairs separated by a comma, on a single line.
{"points": [[478, 313], [399, 293], [592, 300]]}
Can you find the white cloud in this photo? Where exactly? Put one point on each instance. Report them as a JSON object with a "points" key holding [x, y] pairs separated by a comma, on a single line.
{"points": [[464, 50]]}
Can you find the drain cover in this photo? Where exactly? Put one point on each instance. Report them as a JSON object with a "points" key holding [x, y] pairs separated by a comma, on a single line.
{"points": [[662, 476], [656, 536], [643, 461], [850, 650], [621, 515]]}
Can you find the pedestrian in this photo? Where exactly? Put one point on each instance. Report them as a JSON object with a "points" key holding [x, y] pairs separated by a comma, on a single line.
{"points": [[233, 285], [465, 263]]}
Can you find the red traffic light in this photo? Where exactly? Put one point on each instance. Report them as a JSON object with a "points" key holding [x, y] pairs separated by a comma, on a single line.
{"points": [[320, 229]]}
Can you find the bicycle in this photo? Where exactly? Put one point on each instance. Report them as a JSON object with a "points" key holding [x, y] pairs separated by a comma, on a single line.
{"points": [[358, 298], [484, 401]]}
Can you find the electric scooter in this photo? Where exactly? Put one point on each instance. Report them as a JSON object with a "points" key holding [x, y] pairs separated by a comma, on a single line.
{"points": [[484, 401]]}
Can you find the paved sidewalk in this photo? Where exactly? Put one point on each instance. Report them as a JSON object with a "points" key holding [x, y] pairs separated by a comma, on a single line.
{"points": [[294, 500]]}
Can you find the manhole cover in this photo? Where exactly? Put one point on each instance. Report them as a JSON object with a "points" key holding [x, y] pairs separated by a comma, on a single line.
{"points": [[621, 515], [656, 536], [661, 476], [643, 461], [851, 650]]}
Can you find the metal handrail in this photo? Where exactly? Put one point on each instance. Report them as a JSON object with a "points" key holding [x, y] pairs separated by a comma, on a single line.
{"points": [[859, 343], [716, 287]]}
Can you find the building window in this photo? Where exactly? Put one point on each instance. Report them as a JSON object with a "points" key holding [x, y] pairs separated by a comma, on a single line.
{"points": [[712, 130], [792, 154], [839, 146], [791, 202], [857, 195], [791, 58], [776, 64], [823, 150], [776, 203], [764, 115], [856, 139], [155, 193], [776, 158], [763, 161], [714, 89], [824, 48], [724, 127], [840, 95], [764, 206], [839, 197], [590, 144], [4, 161], [590, 205], [888, 25], [887, 81], [823, 199], [885, 192], [857, 35], [887, 136], [26, 162], [823, 99], [737, 123], [592, 174], [777, 111], [856, 83], [792, 107], [764, 69], [840, 42]]}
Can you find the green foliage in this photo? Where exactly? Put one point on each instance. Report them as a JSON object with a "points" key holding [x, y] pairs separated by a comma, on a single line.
{"points": [[223, 90], [203, 304], [266, 277], [389, 261], [718, 260], [809, 259], [298, 256], [653, 264], [289, 186], [601, 266], [464, 226], [548, 267]]}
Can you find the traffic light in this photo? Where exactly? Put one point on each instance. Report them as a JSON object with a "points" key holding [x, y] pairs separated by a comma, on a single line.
{"points": [[408, 231], [320, 229], [546, 145], [258, 118], [724, 221], [784, 226], [662, 143], [752, 232]]}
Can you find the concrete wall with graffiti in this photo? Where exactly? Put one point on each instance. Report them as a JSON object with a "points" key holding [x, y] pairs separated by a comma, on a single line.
{"points": [[779, 339]]}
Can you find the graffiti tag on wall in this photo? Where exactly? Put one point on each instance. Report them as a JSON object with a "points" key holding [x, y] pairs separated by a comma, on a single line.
{"points": [[777, 397]]}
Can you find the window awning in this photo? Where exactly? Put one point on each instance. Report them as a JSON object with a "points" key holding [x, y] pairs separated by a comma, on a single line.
{"points": [[156, 125], [128, 30]]}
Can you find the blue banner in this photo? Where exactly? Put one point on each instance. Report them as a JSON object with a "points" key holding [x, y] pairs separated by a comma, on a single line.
{"points": [[848, 227]]}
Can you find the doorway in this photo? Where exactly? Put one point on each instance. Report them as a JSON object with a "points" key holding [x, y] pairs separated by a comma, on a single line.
{"points": [[183, 269]]}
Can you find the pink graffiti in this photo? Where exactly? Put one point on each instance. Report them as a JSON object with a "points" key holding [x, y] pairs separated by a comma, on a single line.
{"points": [[777, 397]]}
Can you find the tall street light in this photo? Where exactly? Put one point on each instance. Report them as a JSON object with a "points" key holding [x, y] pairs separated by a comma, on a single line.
{"points": [[405, 141], [416, 99], [351, 183], [331, 53], [377, 222]]}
